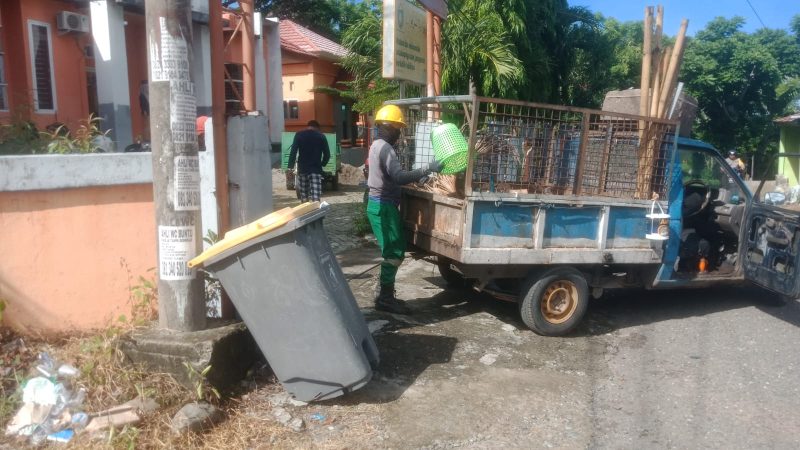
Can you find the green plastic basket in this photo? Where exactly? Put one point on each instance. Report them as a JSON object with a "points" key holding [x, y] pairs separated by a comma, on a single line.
{"points": [[450, 148]]}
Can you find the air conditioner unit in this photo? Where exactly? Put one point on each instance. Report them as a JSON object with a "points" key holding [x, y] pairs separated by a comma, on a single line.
{"points": [[69, 21]]}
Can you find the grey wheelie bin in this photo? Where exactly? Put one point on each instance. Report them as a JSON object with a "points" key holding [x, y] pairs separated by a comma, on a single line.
{"points": [[284, 280]]}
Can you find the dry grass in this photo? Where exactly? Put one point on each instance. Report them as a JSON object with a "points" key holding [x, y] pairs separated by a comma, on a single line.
{"points": [[109, 381]]}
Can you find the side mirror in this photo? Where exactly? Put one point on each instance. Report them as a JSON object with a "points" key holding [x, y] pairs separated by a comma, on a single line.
{"points": [[774, 198]]}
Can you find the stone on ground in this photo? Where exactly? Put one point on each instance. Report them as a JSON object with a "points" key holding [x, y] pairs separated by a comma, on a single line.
{"points": [[196, 417]]}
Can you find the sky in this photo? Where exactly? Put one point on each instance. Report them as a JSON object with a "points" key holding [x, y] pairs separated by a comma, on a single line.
{"points": [[774, 13]]}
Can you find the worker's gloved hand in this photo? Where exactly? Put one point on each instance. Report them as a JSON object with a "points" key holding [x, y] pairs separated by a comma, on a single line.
{"points": [[435, 166]]}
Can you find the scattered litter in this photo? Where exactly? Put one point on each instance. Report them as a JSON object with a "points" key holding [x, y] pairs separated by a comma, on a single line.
{"points": [[376, 325], [509, 327], [79, 420], [351, 175], [61, 436], [319, 417], [117, 417], [40, 391], [488, 359], [50, 409], [67, 371]]}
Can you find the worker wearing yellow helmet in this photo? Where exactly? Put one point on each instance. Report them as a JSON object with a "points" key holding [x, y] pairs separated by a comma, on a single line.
{"points": [[386, 176]]}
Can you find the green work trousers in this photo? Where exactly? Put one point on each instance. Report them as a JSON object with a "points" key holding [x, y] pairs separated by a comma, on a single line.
{"points": [[388, 229]]}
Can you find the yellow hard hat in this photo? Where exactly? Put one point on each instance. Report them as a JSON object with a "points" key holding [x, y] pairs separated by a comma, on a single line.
{"points": [[391, 114]]}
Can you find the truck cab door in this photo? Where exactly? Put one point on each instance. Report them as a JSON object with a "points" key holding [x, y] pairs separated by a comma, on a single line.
{"points": [[770, 249]]}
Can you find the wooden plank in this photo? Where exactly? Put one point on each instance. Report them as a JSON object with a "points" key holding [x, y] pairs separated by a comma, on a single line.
{"points": [[601, 185], [447, 219], [582, 157], [473, 132]]}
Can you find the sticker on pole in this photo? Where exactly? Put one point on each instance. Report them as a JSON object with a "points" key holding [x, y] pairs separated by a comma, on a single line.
{"points": [[182, 112], [169, 57], [187, 183], [176, 246]]}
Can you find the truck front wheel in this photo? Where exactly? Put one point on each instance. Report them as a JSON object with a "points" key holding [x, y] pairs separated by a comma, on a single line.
{"points": [[554, 303]]}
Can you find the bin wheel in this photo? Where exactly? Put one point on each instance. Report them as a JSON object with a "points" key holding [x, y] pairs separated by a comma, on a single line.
{"points": [[554, 303], [454, 279]]}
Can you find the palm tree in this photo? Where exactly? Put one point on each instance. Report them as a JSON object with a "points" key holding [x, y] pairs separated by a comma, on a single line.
{"points": [[477, 46]]}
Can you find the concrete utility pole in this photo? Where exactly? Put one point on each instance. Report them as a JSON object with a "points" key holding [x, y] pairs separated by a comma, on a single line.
{"points": [[176, 172]]}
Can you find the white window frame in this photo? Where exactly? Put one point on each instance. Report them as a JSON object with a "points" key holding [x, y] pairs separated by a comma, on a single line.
{"points": [[31, 24]]}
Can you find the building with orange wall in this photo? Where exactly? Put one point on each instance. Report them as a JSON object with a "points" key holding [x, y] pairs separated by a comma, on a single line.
{"points": [[61, 72], [310, 60]]}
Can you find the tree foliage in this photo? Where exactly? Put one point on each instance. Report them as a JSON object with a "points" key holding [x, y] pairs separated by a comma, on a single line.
{"points": [[549, 51], [477, 47], [329, 18], [741, 82]]}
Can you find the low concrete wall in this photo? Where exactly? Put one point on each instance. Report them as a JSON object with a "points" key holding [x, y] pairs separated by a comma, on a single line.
{"points": [[78, 231]]}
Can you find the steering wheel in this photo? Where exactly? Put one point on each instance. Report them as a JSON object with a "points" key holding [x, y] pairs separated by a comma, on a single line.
{"points": [[702, 184]]}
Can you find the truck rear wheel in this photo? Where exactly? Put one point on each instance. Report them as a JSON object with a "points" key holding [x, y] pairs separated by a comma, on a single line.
{"points": [[554, 303]]}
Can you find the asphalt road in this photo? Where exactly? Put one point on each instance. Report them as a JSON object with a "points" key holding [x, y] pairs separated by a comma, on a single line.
{"points": [[673, 369], [714, 368]]}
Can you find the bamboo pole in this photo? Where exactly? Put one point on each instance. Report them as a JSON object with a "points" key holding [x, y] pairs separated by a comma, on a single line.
{"points": [[658, 49], [674, 68], [659, 26], [647, 54], [658, 83]]}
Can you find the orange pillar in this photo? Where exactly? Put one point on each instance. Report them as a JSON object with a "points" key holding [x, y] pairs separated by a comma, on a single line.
{"points": [[220, 133], [248, 55]]}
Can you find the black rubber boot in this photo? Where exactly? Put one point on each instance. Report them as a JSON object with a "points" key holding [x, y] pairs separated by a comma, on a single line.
{"points": [[386, 301]]}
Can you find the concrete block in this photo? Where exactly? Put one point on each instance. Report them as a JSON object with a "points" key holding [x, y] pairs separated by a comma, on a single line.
{"points": [[229, 349]]}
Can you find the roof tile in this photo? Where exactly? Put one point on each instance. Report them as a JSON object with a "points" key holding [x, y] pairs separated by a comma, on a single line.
{"points": [[297, 38]]}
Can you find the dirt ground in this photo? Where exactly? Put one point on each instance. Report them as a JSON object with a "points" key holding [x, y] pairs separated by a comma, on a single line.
{"points": [[672, 369]]}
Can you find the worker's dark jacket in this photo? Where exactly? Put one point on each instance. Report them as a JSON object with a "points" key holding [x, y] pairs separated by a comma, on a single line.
{"points": [[313, 152]]}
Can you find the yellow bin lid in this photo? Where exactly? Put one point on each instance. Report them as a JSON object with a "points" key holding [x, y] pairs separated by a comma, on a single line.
{"points": [[264, 225]]}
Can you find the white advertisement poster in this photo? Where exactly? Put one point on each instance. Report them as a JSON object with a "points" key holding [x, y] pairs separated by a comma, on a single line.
{"points": [[169, 61], [176, 246], [187, 183]]}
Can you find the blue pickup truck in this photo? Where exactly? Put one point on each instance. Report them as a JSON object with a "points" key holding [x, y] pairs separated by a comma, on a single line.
{"points": [[559, 204]]}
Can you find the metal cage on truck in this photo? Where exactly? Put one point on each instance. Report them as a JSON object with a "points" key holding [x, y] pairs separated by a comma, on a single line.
{"points": [[545, 185]]}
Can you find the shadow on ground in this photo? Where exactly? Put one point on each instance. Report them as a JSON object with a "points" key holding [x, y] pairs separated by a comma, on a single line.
{"points": [[404, 357], [630, 308]]}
